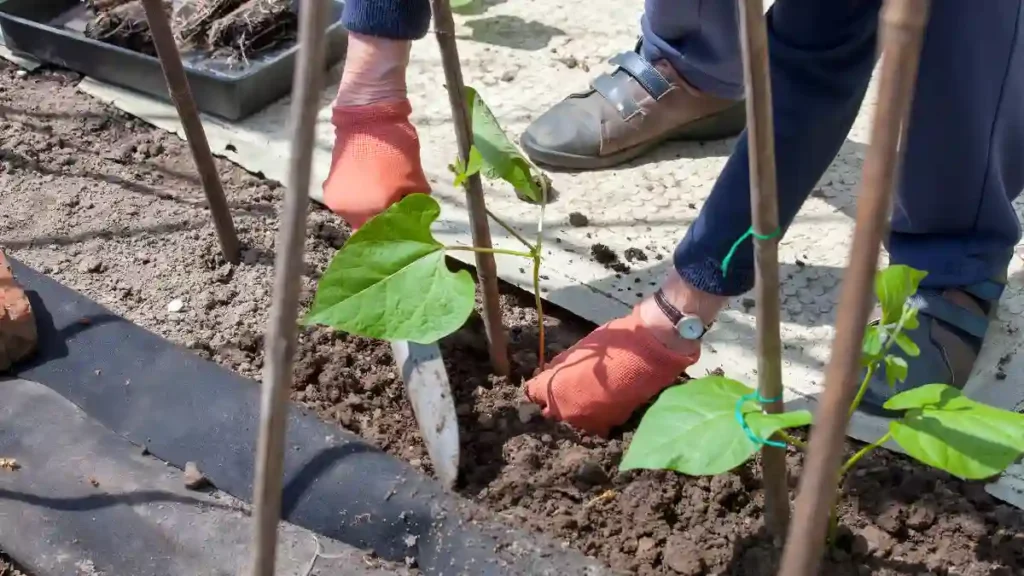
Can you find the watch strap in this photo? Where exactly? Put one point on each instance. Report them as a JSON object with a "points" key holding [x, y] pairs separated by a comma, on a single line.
{"points": [[670, 311]]}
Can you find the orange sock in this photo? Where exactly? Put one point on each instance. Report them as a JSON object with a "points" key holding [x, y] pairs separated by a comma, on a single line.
{"points": [[376, 160], [605, 377]]}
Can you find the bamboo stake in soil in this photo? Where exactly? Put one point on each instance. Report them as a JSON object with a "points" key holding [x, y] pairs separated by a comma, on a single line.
{"points": [[280, 343], [181, 95], [903, 23], [487, 271], [765, 218]]}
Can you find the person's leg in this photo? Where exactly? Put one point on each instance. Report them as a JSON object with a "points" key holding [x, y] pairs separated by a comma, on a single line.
{"points": [[376, 159], [683, 82], [962, 169], [822, 55]]}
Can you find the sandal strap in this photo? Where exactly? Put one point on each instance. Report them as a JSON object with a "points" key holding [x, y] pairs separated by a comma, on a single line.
{"points": [[613, 87], [932, 304], [987, 290]]}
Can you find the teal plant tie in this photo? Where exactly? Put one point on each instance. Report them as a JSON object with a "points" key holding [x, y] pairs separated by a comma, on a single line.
{"points": [[756, 396], [735, 246]]}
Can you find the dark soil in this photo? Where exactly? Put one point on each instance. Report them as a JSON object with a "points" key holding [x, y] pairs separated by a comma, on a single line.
{"points": [[111, 207], [607, 257], [578, 219], [635, 255], [123, 24]]}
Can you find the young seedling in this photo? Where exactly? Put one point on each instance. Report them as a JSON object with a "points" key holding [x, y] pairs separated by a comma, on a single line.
{"points": [[390, 279], [712, 425]]}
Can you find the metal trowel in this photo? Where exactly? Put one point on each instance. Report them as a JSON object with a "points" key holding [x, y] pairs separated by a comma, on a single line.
{"points": [[430, 394]]}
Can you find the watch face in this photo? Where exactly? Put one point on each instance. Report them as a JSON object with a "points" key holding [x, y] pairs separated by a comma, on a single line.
{"points": [[690, 328]]}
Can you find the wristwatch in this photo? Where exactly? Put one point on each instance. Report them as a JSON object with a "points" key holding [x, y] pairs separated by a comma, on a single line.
{"points": [[689, 326]]}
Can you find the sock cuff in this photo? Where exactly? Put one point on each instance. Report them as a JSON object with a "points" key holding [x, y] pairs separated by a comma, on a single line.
{"points": [[379, 112], [392, 19]]}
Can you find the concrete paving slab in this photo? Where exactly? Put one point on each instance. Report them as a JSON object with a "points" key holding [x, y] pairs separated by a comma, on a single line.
{"points": [[523, 57]]}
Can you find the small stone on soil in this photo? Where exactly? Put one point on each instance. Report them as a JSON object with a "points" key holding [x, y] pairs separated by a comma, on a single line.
{"points": [[591, 473], [683, 556], [527, 411], [90, 266], [921, 517], [871, 540], [224, 273], [176, 305], [194, 479]]}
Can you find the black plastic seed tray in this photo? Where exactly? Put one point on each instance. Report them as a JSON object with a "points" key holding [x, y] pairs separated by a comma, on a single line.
{"points": [[49, 30]]}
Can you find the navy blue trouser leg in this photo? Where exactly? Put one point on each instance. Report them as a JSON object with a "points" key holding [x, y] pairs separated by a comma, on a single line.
{"points": [[700, 39], [964, 161], [821, 57], [965, 142]]}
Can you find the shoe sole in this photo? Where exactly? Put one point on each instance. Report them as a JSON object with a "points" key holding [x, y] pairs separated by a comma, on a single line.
{"points": [[725, 124]]}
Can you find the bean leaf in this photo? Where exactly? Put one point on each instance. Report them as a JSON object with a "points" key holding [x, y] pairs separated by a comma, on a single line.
{"points": [[692, 429], [390, 280], [462, 173], [893, 286], [908, 346], [945, 429], [895, 370], [872, 345], [500, 156]]}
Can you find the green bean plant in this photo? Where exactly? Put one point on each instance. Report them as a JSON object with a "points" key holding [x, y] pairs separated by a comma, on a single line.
{"points": [[711, 425], [390, 279]]}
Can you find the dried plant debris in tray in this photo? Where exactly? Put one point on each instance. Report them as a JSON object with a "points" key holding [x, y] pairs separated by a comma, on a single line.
{"points": [[195, 18], [253, 28], [236, 30], [104, 5], [123, 25]]}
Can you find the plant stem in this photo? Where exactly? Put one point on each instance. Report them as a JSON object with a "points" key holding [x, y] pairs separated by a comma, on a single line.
{"points": [[538, 301], [862, 453], [889, 342], [536, 275], [833, 519], [863, 389], [509, 229], [488, 251], [833, 524], [792, 440]]}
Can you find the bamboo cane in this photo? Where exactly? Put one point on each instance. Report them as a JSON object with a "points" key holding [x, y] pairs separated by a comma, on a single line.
{"points": [[765, 218], [487, 271], [181, 95], [281, 332], [902, 27]]}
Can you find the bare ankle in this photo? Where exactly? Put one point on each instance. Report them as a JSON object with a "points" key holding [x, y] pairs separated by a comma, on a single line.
{"points": [[688, 300], [374, 71]]}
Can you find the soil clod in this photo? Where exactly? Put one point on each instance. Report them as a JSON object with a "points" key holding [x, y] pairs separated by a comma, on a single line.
{"points": [[635, 255], [578, 219]]}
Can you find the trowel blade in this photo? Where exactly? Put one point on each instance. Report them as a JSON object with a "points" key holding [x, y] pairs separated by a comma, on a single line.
{"points": [[430, 393]]}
